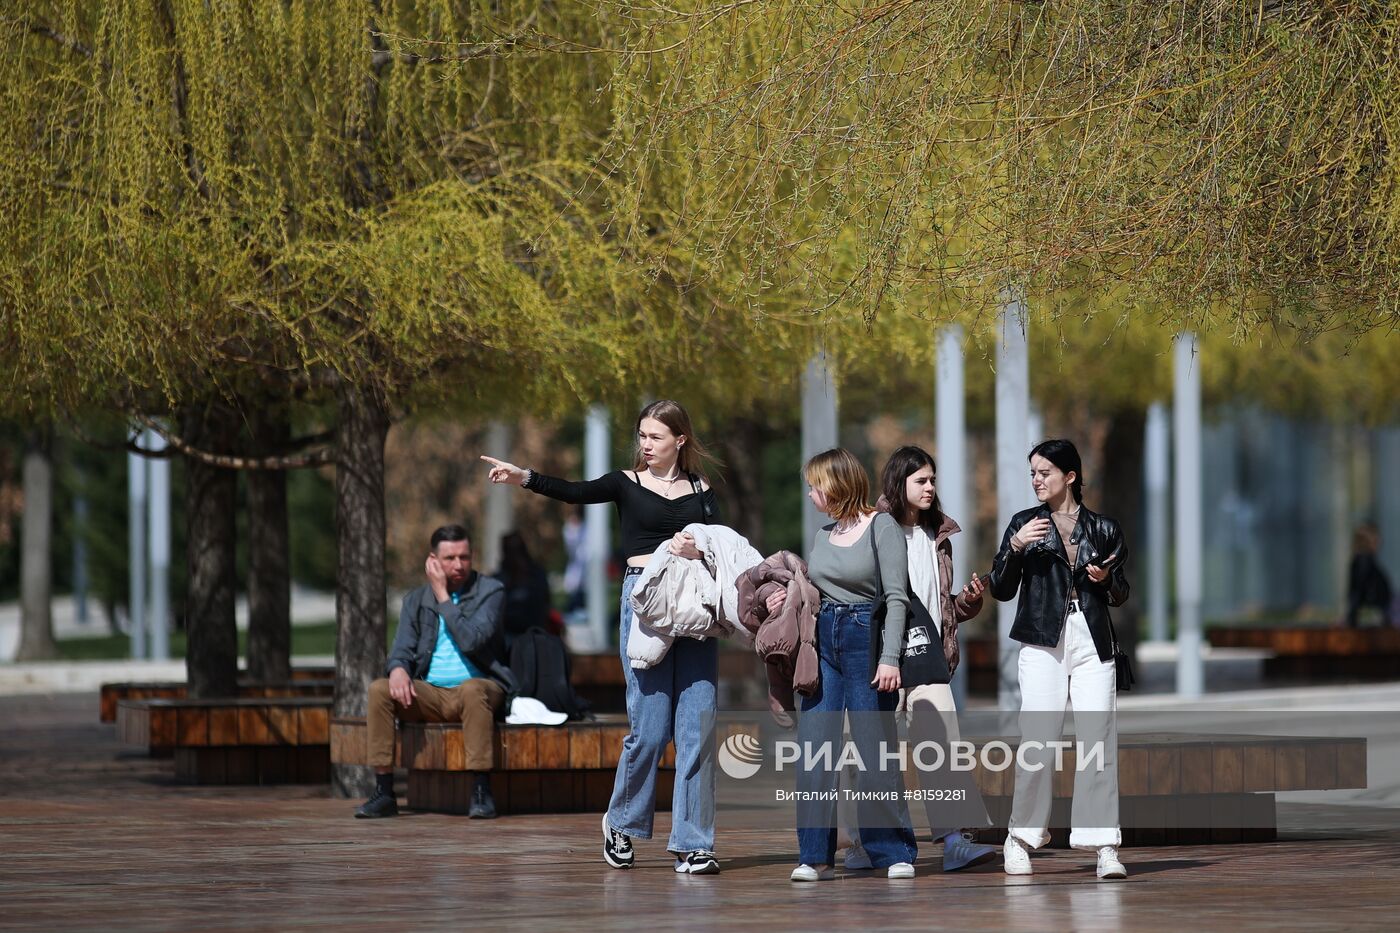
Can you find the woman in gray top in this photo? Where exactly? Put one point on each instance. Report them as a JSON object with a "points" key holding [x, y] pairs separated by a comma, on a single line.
{"points": [[857, 563]]}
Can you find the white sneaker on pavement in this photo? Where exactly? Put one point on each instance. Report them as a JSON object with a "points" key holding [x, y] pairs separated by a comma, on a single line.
{"points": [[809, 873], [1016, 857], [1109, 865]]}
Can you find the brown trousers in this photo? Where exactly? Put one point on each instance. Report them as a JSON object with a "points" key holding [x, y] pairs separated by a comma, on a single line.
{"points": [[472, 702]]}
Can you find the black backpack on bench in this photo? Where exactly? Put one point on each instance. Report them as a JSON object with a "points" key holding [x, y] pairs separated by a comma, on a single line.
{"points": [[540, 663]]}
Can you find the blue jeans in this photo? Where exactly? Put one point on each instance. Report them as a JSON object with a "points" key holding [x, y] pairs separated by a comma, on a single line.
{"points": [[675, 699], [843, 644]]}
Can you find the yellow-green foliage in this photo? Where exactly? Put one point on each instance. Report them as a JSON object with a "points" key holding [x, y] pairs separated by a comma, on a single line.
{"points": [[405, 195], [1233, 163]]}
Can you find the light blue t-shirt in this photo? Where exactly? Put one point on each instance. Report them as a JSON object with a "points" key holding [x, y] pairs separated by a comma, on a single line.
{"points": [[449, 667]]}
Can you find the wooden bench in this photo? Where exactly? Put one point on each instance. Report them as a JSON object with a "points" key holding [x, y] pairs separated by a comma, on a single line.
{"points": [[301, 685], [539, 769], [978, 663], [598, 678], [1315, 652], [281, 740], [1191, 789]]}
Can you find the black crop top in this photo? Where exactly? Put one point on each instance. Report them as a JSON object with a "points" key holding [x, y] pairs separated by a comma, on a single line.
{"points": [[647, 518]]}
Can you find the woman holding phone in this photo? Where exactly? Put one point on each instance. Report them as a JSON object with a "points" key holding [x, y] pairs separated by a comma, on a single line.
{"points": [[908, 487], [1066, 564]]}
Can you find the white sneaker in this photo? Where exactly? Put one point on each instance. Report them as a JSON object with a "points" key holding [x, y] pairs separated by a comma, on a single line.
{"points": [[900, 870], [1016, 857], [857, 859], [1109, 865], [699, 862], [962, 850], [809, 873]]}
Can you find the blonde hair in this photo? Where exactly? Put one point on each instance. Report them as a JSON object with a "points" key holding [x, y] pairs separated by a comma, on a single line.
{"points": [[842, 480], [692, 456]]}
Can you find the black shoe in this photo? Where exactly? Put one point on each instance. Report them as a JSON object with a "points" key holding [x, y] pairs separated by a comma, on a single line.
{"points": [[617, 847], [483, 806], [379, 804], [698, 862]]}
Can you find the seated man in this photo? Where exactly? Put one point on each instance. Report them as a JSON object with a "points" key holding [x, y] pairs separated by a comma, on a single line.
{"points": [[447, 664]]}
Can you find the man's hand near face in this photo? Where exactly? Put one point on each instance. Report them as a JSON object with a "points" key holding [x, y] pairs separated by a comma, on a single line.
{"points": [[437, 578]]}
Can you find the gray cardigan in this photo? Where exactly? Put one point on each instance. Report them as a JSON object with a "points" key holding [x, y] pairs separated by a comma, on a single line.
{"points": [[475, 624]]}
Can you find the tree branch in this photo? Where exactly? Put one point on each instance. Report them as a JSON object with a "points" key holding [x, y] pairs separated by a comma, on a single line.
{"points": [[496, 48], [315, 458], [48, 32]]}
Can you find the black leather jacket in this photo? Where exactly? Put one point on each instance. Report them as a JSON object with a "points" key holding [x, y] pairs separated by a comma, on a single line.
{"points": [[1041, 575]]}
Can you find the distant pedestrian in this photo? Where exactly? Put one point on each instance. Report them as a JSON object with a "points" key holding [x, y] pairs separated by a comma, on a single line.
{"points": [[1367, 584]]}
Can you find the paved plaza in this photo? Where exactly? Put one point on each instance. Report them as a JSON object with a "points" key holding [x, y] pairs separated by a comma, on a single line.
{"points": [[99, 838]]}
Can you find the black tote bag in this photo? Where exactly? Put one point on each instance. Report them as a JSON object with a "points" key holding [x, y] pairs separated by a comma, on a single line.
{"points": [[922, 661]]}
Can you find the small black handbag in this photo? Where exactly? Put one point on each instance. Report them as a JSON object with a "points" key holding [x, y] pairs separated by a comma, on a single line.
{"points": [[1121, 664], [922, 661]]}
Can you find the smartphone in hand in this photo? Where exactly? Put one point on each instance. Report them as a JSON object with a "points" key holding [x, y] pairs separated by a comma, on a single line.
{"points": [[1103, 562]]}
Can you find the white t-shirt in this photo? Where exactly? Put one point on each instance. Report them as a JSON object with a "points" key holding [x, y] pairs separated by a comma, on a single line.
{"points": [[923, 572]]}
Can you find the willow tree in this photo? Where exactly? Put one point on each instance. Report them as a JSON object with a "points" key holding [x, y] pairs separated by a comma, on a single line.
{"points": [[1231, 160], [350, 206]]}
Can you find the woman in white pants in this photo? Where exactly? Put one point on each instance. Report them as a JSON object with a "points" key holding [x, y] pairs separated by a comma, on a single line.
{"points": [[1065, 563]]}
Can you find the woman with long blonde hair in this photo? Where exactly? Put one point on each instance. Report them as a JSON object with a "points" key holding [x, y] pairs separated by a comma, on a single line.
{"points": [[676, 699]]}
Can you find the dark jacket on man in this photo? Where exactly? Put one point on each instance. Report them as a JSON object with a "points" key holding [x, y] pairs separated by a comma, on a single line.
{"points": [[474, 623], [1041, 574]]}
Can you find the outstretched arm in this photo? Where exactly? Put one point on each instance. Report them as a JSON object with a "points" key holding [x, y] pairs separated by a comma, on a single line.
{"points": [[602, 489]]}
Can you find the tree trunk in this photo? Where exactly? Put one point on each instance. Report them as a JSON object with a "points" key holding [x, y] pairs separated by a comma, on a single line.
{"points": [[741, 448], [269, 574], [36, 562], [360, 610], [1121, 484], [211, 544]]}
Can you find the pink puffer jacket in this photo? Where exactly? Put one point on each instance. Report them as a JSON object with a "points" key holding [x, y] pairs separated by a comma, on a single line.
{"points": [[787, 641]]}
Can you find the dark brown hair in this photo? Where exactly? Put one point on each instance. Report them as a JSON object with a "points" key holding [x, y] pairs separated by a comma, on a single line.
{"points": [[904, 463]]}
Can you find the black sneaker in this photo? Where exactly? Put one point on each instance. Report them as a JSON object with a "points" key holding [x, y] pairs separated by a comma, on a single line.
{"points": [[483, 805], [699, 862], [379, 804], [617, 847]]}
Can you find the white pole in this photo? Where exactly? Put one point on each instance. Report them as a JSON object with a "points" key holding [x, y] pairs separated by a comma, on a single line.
{"points": [[950, 433], [597, 520], [498, 509], [160, 549], [1157, 473], [1013, 472], [1190, 675], [819, 431], [136, 551]]}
